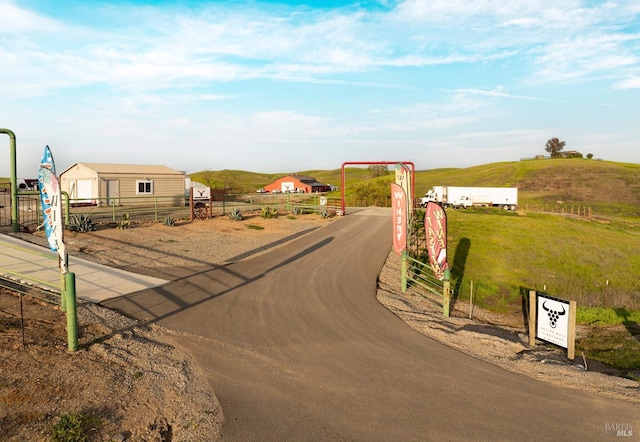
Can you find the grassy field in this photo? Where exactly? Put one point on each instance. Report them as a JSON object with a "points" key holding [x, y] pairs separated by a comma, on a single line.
{"points": [[503, 254]]}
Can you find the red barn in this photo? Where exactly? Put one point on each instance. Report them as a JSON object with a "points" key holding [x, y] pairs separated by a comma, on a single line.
{"points": [[296, 184]]}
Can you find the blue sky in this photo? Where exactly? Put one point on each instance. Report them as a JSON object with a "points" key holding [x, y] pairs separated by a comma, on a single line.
{"points": [[271, 86]]}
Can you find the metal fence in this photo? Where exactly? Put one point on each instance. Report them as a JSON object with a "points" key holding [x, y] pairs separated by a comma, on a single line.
{"points": [[142, 209], [416, 270]]}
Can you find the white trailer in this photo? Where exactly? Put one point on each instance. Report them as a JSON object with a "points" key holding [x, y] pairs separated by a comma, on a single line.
{"points": [[452, 196]]}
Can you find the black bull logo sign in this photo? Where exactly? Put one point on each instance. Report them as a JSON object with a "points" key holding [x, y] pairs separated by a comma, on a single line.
{"points": [[553, 314]]}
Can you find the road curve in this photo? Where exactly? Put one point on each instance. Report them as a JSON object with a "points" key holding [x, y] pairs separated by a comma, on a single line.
{"points": [[297, 347]]}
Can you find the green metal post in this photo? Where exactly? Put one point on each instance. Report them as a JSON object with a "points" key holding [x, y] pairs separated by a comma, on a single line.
{"points": [[14, 180], [66, 207], [403, 277], [63, 291], [446, 294], [155, 208], [72, 317], [113, 211]]}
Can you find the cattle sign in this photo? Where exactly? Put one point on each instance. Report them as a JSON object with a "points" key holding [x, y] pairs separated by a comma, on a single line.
{"points": [[552, 320]]}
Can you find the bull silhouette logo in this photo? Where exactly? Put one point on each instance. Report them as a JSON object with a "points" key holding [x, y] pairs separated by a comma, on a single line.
{"points": [[553, 314]]}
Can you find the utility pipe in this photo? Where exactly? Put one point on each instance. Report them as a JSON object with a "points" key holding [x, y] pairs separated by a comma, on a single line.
{"points": [[14, 179]]}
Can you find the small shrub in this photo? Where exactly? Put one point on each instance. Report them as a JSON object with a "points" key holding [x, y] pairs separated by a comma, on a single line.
{"points": [[74, 427], [254, 227], [124, 223], [169, 221], [297, 210], [269, 212], [324, 212], [81, 223], [235, 214]]}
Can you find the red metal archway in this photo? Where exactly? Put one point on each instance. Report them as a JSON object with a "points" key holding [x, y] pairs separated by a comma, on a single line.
{"points": [[368, 163]]}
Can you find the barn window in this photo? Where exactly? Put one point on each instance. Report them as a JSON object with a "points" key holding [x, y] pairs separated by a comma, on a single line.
{"points": [[144, 187]]}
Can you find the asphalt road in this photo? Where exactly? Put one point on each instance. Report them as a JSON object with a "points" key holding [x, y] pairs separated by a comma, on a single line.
{"points": [[297, 347]]}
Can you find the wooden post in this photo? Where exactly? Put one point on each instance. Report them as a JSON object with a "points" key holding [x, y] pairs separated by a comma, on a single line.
{"points": [[191, 208], [571, 333], [532, 317]]}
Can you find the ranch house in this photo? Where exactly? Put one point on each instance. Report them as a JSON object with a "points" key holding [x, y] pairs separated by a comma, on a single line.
{"points": [[101, 184]]}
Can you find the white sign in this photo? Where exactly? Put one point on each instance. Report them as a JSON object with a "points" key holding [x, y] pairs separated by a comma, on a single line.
{"points": [[287, 186], [201, 192], [553, 321], [323, 200]]}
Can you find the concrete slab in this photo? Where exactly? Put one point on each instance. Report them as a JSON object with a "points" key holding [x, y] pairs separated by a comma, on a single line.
{"points": [[38, 266]]}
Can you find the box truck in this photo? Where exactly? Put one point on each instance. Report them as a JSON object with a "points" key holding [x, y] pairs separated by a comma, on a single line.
{"points": [[452, 196]]}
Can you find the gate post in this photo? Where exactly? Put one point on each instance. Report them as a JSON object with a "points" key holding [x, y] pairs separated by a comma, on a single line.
{"points": [[14, 179]]}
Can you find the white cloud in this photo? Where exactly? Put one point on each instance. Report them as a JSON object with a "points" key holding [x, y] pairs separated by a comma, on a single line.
{"points": [[629, 83]]}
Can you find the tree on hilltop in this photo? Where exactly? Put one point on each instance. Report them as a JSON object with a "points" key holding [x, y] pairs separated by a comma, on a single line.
{"points": [[378, 170], [554, 146]]}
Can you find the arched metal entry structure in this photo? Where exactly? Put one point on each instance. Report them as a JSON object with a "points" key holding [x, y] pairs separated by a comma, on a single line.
{"points": [[369, 163]]}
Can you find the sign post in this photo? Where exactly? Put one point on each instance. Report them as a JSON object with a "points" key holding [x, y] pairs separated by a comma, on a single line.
{"points": [[552, 320], [50, 198]]}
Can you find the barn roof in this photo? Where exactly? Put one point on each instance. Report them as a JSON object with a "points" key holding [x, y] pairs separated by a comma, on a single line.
{"points": [[306, 179], [105, 168]]}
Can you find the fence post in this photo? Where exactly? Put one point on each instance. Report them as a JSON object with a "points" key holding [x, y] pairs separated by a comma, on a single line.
{"points": [[72, 317], [446, 293], [403, 276], [155, 209]]}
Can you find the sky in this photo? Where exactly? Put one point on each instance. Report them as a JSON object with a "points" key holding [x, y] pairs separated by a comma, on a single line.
{"points": [[288, 86]]}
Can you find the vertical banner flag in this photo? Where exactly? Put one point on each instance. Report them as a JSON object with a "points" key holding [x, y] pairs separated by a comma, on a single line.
{"points": [[51, 205], [399, 211], [403, 179], [435, 225]]}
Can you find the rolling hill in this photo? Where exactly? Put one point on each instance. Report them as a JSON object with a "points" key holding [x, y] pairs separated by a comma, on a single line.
{"points": [[609, 188]]}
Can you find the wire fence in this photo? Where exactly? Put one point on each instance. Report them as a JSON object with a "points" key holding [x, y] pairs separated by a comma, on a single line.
{"points": [[560, 209], [144, 209]]}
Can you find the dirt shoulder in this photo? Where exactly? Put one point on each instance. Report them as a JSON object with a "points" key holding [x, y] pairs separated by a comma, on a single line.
{"points": [[143, 387]]}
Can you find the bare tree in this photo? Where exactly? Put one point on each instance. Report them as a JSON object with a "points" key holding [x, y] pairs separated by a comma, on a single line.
{"points": [[554, 146]]}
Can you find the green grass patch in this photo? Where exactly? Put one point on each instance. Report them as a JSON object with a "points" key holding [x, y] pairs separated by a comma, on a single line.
{"points": [[607, 316], [74, 427], [616, 347], [254, 227]]}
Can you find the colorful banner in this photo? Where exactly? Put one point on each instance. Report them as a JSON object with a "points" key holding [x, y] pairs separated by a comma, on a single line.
{"points": [[399, 211], [403, 179], [51, 201], [435, 225]]}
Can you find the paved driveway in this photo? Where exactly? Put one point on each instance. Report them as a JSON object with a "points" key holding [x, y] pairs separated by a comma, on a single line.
{"points": [[296, 347]]}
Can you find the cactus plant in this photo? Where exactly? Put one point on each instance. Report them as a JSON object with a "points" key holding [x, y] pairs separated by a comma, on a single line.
{"points": [[81, 223], [269, 212], [235, 214]]}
